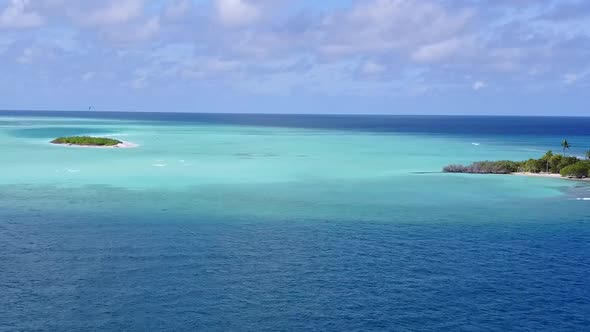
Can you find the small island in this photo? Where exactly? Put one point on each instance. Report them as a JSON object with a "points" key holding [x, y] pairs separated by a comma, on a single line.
{"points": [[550, 165], [88, 141]]}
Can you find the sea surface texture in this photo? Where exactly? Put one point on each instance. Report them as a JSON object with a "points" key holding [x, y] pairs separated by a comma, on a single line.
{"points": [[289, 223]]}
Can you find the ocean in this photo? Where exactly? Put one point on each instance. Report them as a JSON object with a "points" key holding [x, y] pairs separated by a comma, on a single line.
{"points": [[253, 222]]}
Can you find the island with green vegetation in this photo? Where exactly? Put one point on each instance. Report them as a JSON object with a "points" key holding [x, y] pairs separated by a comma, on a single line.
{"points": [[88, 141], [550, 165]]}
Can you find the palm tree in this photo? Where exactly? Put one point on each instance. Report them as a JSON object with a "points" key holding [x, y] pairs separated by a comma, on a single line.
{"points": [[565, 145], [547, 157]]}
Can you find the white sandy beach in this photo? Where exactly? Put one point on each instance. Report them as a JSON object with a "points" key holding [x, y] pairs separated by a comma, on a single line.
{"points": [[547, 175], [122, 145]]}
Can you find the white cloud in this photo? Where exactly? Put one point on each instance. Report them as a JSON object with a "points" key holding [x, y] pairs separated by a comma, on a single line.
{"points": [[233, 13], [372, 68], [383, 26], [219, 65], [16, 15], [146, 30], [437, 51], [573, 78], [136, 31], [202, 67], [479, 85], [570, 78], [114, 12], [26, 56], [432, 46], [177, 9]]}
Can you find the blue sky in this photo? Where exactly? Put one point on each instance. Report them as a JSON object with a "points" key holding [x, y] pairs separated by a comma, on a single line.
{"points": [[517, 57]]}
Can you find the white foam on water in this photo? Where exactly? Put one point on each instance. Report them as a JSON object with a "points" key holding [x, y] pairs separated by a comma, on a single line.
{"points": [[126, 145], [73, 170], [476, 144], [159, 165], [583, 199]]}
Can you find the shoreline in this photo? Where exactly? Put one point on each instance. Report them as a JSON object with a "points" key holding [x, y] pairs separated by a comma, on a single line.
{"points": [[122, 145], [548, 176]]}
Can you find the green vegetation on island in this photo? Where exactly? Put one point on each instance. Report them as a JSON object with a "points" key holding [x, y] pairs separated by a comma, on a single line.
{"points": [[86, 141], [550, 163]]}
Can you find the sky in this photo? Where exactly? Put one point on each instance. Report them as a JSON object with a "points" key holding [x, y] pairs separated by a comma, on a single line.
{"points": [[504, 57]]}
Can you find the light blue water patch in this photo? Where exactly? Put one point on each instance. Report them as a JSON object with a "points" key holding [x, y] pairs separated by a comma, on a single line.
{"points": [[54, 132], [275, 172], [176, 156]]}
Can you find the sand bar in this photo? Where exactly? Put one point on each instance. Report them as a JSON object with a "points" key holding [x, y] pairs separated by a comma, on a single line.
{"points": [[122, 145], [548, 175]]}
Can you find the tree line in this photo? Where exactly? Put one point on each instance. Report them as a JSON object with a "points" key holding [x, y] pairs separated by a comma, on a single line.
{"points": [[568, 166]]}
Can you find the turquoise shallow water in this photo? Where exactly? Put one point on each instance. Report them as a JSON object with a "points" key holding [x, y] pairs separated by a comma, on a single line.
{"points": [[288, 223]]}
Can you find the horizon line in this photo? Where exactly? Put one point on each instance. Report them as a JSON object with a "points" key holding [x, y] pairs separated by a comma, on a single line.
{"points": [[262, 113]]}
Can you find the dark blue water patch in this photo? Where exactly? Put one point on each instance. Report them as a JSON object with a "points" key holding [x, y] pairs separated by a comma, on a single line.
{"points": [[109, 259], [91, 272], [54, 132], [455, 125]]}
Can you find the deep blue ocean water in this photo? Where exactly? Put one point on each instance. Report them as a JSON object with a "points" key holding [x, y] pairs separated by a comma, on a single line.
{"points": [[429, 124], [260, 252]]}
